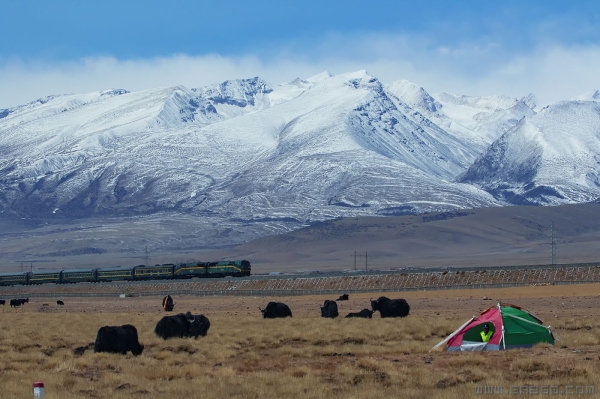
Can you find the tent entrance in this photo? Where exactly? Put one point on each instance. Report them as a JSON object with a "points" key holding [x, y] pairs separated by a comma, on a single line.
{"points": [[474, 333]]}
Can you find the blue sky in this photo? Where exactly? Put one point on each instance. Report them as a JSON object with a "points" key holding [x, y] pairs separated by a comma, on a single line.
{"points": [[550, 48]]}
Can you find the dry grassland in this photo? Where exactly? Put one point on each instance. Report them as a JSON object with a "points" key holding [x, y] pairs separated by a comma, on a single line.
{"points": [[247, 357]]}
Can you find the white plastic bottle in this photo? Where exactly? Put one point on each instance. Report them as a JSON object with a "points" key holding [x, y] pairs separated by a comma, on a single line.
{"points": [[38, 390]]}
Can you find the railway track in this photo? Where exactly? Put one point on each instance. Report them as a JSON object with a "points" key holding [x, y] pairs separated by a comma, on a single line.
{"points": [[327, 283]]}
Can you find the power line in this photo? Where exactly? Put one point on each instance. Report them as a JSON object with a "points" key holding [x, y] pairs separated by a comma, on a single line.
{"points": [[361, 256], [553, 243]]}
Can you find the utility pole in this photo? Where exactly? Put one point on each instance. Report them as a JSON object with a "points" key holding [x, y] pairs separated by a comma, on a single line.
{"points": [[360, 256], [146, 261], [553, 243]]}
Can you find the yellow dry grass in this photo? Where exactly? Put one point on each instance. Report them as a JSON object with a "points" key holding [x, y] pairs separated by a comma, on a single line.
{"points": [[303, 357]]}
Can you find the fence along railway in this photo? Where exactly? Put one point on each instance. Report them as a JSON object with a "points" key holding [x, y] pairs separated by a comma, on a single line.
{"points": [[309, 285]]}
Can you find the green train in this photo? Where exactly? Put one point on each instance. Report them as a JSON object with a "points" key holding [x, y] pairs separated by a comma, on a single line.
{"points": [[236, 268]]}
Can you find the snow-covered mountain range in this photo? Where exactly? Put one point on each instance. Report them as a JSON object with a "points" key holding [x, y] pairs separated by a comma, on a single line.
{"points": [[245, 152]]}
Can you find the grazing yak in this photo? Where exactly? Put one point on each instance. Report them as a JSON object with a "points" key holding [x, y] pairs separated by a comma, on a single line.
{"points": [[343, 297], [365, 313], [390, 307], [167, 303], [18, 302], [182, 325], [60, 303], [329, 309], [118, 339], [275, 310], [2, 301]]}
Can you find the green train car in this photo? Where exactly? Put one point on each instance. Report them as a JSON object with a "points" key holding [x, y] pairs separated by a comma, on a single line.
{"points": [[153, 272], [114, 274], [14, 278], [238, 268], [79, 276], [44, 277]]}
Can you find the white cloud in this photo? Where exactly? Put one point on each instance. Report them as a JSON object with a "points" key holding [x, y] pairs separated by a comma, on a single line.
{"points": [[555, 73], [552, 73]]}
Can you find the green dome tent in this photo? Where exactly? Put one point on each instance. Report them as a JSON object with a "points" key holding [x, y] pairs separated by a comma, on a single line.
{"points": [[512, 327]]}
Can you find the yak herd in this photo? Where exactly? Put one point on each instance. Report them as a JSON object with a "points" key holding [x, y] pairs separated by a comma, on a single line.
{"points": [[123, 339], [14, 303]]}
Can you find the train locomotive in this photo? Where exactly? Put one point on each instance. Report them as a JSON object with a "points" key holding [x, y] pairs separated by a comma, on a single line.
{"points": [[238, 268]]}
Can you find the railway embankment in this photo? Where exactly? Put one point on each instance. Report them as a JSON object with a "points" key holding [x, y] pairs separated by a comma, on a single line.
{"points": [[324, 284]]}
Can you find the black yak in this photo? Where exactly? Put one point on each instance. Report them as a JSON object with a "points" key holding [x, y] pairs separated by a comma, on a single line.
{"points": [[329, 309], [167, 303], [390, 307], [365, 313], [2, 301], [182, 325], [60, 303], [18, 302], [343, 297], [275, 310], [118, 339]]}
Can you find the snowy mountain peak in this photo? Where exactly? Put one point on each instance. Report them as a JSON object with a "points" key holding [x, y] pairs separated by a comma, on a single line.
{"points": [[240, 89], [357, 80], [298, 83], [360, 74], [319, 77], [593, 95], [488, 117], [114, 92], [287, 91], [216, 102], [550, 158], [489, 103], [530, 100], [414, 95]]}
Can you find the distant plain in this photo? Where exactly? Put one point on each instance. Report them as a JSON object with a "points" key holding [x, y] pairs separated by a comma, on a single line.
{"points": [[473, 237]]}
